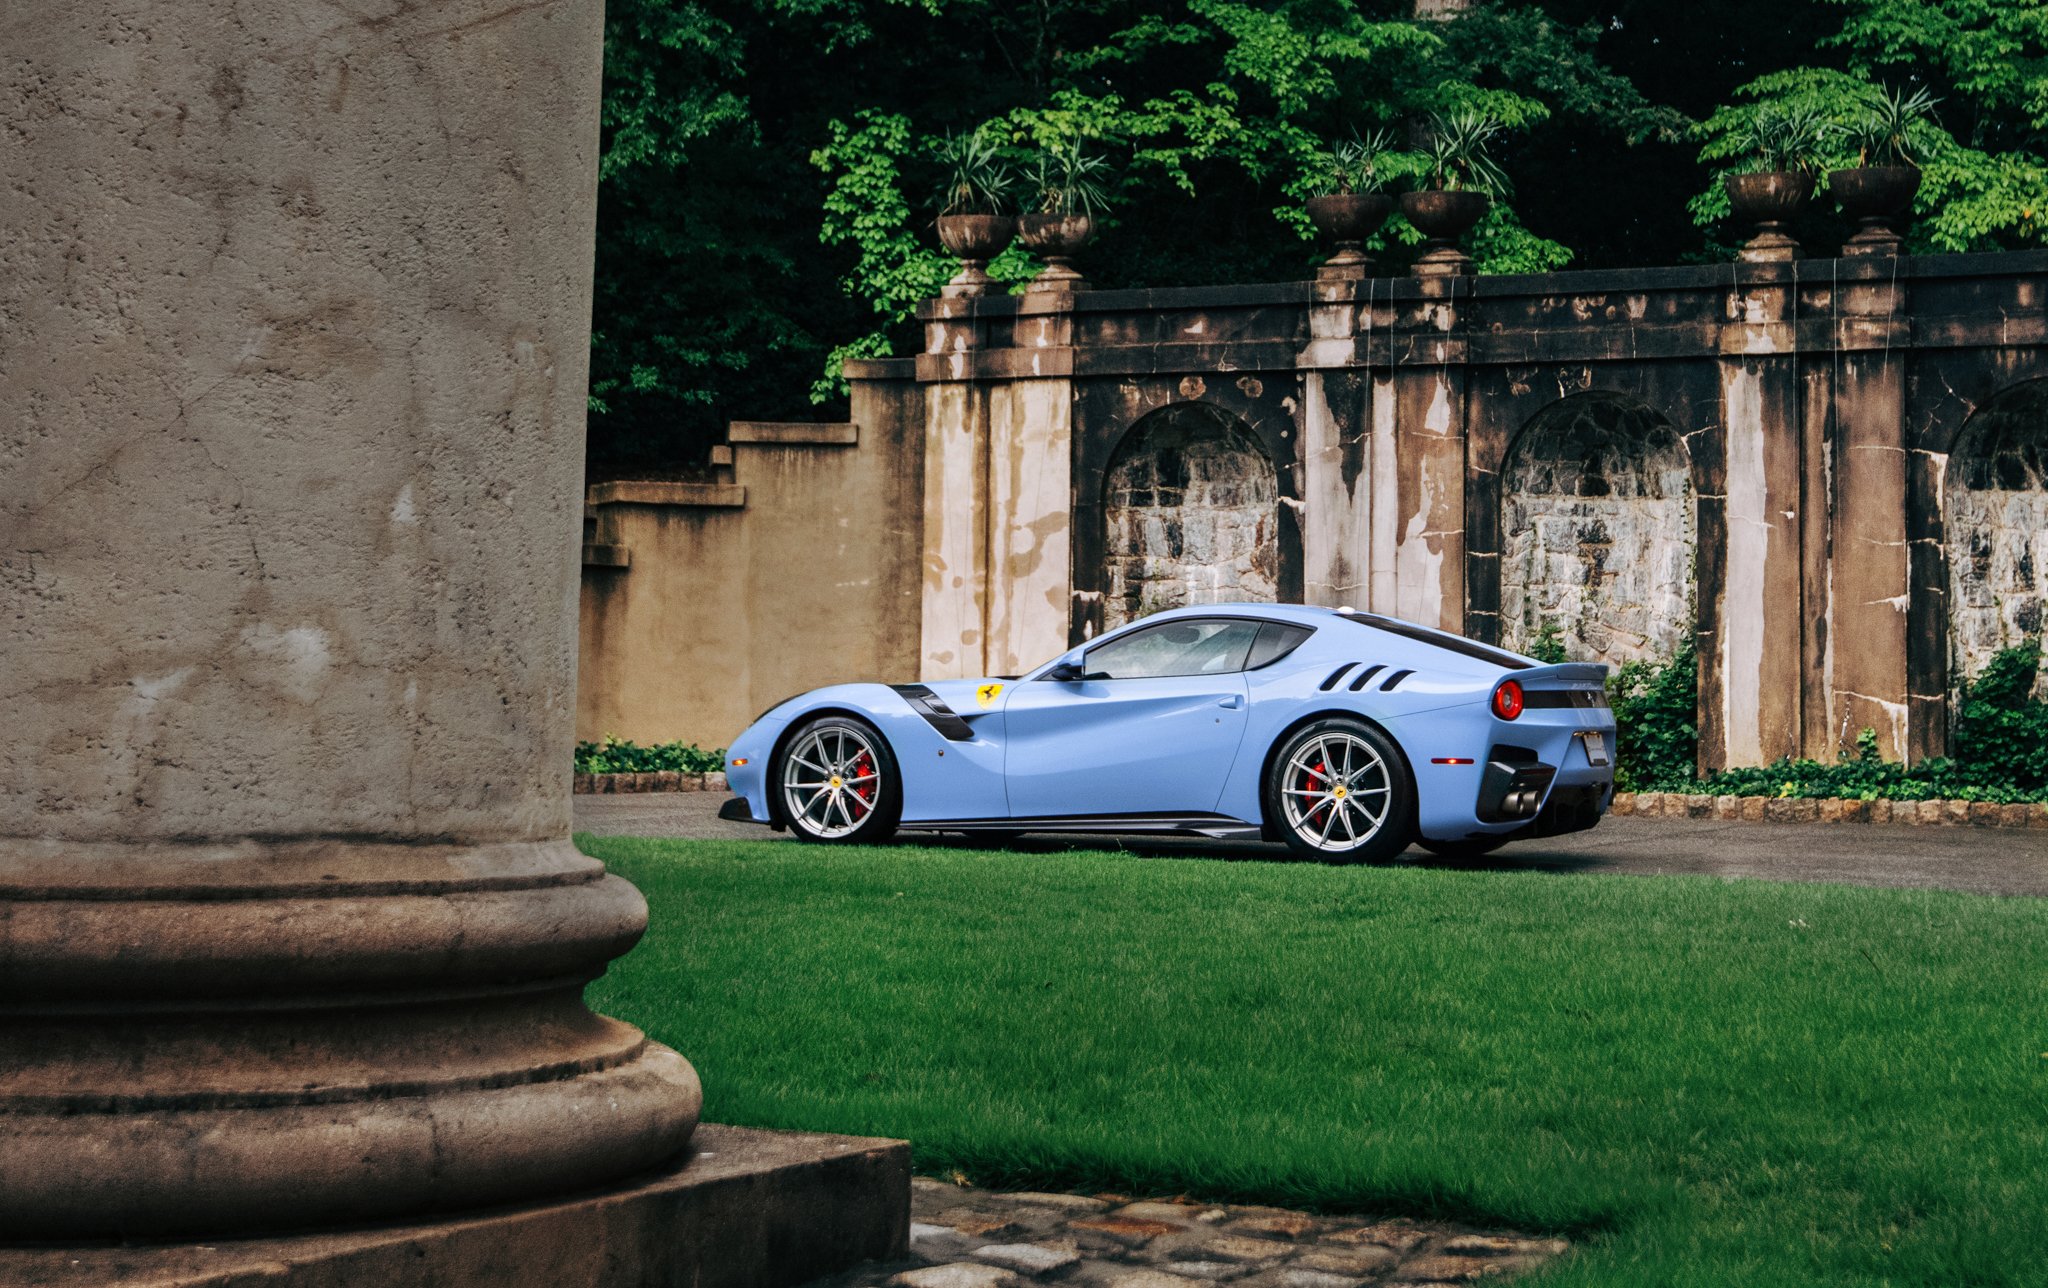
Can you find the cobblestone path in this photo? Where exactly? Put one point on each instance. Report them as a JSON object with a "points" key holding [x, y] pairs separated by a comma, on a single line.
{"points": [[969, 1238]]}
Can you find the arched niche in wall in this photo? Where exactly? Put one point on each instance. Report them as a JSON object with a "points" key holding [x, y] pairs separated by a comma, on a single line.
{"points": [[1995, 528], [1598, 532], [1191, 515]]}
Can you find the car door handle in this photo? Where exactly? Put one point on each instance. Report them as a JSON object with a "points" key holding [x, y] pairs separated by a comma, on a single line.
{"points": [[1230, 703]]}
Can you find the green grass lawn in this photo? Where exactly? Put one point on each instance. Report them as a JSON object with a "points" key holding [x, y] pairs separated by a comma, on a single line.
{"points": [[1713, 1083]]}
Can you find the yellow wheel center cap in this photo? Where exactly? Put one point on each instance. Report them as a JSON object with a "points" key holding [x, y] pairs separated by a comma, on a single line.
{"points": [[1337, 792], [836, 782]]}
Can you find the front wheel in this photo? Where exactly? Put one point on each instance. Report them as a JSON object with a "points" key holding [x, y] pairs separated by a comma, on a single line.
{"points": [[837, 783], [1340, 792]]}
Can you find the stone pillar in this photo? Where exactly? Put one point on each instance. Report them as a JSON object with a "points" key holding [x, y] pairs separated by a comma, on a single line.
{"points": [[1031, 590], [1336, 449], [1870, 580], [1752, 606], [954, 608], [1428, 461], [293, 341]]}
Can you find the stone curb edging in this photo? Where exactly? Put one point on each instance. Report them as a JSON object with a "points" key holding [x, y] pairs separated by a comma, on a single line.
{"points": [[1772, 809], [659, 780]]}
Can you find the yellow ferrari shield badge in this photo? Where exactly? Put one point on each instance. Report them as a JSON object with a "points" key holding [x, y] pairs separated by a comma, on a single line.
{"points": [[987, 694]]}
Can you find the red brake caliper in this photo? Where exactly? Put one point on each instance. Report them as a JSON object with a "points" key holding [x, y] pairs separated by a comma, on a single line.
{"points": [[1309, 782], [864, 765]]}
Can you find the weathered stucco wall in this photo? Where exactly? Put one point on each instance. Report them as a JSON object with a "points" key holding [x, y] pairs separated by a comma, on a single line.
{"points": [[1598, 533], [1772, 441], [801, 570], [1997, 521]]}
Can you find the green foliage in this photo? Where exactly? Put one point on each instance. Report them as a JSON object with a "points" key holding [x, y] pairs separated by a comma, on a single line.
{"points": [[1352, 165], [1071, 180], [1460, 152], [1656, 719], [1886, 133], [2000, 744], [1548, 646], [1984, 174], [612, 756], [978, 176]]}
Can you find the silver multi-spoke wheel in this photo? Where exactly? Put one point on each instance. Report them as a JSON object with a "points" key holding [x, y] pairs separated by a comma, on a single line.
{"points": [[1340, 788], [1337, 791], [832, 783]]}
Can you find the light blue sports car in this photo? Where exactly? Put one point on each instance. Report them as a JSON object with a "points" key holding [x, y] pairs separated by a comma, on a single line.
{"points": [[1346, 735]]}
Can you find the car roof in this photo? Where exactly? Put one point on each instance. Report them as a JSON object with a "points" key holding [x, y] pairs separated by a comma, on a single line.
{"points": [[1313, 615]]}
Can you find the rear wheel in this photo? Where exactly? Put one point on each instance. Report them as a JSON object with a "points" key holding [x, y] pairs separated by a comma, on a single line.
{"points": [[837, 783], [1339, 791]]}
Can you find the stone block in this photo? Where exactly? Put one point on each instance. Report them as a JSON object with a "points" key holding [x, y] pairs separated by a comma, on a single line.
{"points": [[1830, 810], [1728, 807], [1212, 1271], [1070, 1202], [1288, 1225], [582, 784], [958, 1274], [2012, 816], [1854, 812], [1955, 813], [1236, 1247], [1753, 809], [1880, 811], [1356, 1262], [1778, 810], [1624, 803], [2037, 815], [1295, 1277], [669, 780], [1031, 1258], [1985, 814], [1173, 1213], [715, 782], [747, 1209], [1697, 806]]}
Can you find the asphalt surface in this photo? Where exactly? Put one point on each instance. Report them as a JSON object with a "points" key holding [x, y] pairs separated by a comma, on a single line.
{"points": [[1996, 861]]}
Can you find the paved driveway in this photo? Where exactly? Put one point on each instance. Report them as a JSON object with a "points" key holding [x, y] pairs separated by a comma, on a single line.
{"points": [[1981, 861]]}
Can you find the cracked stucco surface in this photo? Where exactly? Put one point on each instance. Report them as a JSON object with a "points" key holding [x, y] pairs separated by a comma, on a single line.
{"points": [[290, 437]]}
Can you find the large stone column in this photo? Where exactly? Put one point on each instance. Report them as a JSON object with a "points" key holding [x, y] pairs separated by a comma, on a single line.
{"points": [[293, 335]]}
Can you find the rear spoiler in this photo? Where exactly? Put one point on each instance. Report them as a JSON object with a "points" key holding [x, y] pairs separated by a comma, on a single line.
{"points": [[1564, 673]]}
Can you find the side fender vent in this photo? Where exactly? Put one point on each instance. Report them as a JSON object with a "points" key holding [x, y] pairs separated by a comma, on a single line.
{"points": [[1393, 680], [935, 712], [1365, 676], [1330, 680]]}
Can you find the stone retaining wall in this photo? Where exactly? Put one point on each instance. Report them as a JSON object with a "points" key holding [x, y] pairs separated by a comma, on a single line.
{"points": [[1771, 809], [660, 780]]}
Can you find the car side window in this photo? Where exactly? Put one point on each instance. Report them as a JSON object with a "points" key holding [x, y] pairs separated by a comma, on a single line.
{"points": [[1214, 646], [1275, 642]]}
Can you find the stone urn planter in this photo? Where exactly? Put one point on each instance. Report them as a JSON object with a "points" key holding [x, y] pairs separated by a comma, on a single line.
{"points": [[1343, 220], [976, 239], [1769, 201], [1056, 239], [1442, 216], [1878, 198]]}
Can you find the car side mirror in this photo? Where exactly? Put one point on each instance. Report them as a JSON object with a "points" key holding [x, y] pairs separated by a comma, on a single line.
{"points": [[1064, 669]]}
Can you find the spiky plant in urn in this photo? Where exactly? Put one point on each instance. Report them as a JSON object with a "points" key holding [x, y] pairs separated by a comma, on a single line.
{"points": [[1072, 191], [1458, 188], [974, 221], [1347, 205], [1877, 192], [1779, 154]]}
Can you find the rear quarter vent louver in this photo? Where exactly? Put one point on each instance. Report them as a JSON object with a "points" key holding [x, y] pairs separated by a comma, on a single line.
{"points": [[1365, 677], [1393, 680], [1330, 680]]}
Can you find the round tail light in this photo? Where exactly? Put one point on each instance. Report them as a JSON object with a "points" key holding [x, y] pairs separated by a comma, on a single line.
{"points": [[1507, 700]]}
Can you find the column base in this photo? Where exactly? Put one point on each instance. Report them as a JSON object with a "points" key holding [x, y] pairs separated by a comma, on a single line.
{"points": [[744, 1209]]}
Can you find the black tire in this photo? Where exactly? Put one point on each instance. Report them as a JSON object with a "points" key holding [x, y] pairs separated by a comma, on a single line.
{"points": [[1306, 803], [1461, 851], [821, 779]]}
